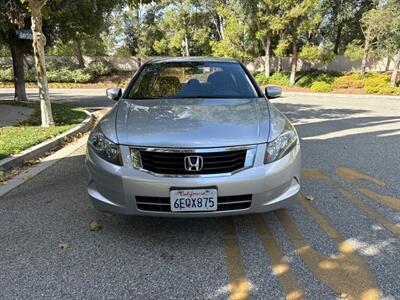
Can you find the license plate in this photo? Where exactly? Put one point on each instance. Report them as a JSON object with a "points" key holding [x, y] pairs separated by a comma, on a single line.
{"points": [[194, 200]]}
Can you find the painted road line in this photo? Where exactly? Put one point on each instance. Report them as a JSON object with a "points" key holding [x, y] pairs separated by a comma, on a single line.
{"points": [[238, 283], [317, 174], [279, 266], [345, 274], [351, 176]]}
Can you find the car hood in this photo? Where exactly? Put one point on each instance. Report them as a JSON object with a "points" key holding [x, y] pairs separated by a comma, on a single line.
{"points": [[192, 123]]}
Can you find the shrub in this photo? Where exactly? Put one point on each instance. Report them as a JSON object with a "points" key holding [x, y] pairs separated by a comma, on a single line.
{"points": [[261, 78], [351, 80], [55, 65], [100, 68], [378, 84], [306, 78], [6, 74], [321, 87], [65, 75], [279, 78]]}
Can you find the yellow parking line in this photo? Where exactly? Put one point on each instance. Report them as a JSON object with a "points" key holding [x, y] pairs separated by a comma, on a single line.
{"points": [[309, 174], [351, 176], [279, 265], [366, 208], [238, 284], [345, 274]]}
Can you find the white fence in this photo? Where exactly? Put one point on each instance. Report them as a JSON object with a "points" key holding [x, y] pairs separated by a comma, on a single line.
{"points": [[339, 64]]}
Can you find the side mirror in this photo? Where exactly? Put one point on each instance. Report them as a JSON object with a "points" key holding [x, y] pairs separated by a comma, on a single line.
{"points": [[273, 92], [114, 93]]}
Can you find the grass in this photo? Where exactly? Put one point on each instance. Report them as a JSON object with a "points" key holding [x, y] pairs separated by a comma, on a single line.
{"points": [[28, 133]]}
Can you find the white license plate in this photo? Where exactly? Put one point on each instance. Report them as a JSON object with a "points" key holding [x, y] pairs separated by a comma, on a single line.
{"points": [[194, 200]]}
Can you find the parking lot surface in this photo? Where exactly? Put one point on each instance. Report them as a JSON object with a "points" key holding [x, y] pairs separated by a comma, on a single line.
{"points": [[339, 240]]}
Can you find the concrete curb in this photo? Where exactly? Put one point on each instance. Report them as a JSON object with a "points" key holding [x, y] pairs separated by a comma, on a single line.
{"points": [[355, 96], [40, 149], [47, 162]]}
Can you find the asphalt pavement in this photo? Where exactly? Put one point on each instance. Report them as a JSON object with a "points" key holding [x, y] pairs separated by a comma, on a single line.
{"points": [[339, 240]]}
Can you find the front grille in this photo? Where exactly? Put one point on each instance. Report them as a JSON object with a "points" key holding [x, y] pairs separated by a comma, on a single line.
{"points": [[172, 163], [163, 203]]}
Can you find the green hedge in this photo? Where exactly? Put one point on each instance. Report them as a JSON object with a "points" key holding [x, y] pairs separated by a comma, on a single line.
{"points": [[319, 81], [350, 80], [307, 78], [321, 87], [61, 72]]}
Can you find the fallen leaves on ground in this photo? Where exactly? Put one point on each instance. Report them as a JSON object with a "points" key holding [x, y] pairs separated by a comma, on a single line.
{"points": [[27, 178], [309, 198], [63, 245], [108, 215], [94, 226]]}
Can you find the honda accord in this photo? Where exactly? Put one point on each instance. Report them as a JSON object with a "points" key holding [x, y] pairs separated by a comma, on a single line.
{"points": [[193, 137]]}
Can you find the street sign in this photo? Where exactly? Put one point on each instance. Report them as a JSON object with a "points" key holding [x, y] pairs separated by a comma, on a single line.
{"points": [[25, 34]]}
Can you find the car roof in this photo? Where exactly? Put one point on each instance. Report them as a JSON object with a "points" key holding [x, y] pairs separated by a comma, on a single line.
{"points": [[191, 59]]}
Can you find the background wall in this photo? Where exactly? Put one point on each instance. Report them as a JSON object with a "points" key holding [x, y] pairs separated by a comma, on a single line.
{"points": [[339, 64]]}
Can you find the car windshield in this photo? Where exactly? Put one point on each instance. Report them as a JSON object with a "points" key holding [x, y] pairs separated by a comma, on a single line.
{"points": [[192, 80]]}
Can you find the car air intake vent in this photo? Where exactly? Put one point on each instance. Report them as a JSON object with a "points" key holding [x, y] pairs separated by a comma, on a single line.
{"points": [[162, 204], [189, 163]]}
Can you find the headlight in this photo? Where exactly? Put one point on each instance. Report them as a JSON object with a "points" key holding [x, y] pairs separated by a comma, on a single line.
{"points": [[104, 147], [282, 145]]}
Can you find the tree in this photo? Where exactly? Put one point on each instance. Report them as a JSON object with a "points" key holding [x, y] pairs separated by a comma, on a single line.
{"points": [[237, 39], [134, 29], [185, 28], [268, 24], [78, 20], [39, 41], [383, 27], [300, 18], [14, 17], [340, 23], [314, 54]]}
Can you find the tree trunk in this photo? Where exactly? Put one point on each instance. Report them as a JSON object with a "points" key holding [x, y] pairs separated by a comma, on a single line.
{"points": [[293, 64], [396, 65], [387, 65], [267, 57], [78, 53], [219, 26], [222, 27], [39, 41], [19, 77], [337, 40], [279, 67], [186, 42], [365, 56]]}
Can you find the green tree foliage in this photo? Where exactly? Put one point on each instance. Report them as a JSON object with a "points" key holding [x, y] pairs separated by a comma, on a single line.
{"points": [[300, 20], [77, 21], [185, 28], [354, 50], [340, 22], [382, 26], [236, 41], [314, 54]]}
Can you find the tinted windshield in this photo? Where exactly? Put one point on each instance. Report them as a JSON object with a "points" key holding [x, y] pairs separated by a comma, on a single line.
{"points": [[192, 80]]}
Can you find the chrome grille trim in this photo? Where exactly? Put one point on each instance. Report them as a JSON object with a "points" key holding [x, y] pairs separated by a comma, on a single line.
{"points": [[248, 162]]}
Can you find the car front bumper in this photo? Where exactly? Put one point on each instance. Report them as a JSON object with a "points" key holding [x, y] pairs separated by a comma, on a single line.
{"points": [[113, 188]]}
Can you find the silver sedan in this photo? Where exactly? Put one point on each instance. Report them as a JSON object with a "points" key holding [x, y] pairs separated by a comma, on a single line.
{"points": [[193, 137]]}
